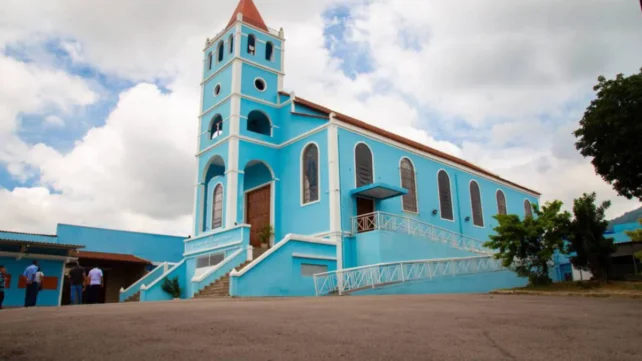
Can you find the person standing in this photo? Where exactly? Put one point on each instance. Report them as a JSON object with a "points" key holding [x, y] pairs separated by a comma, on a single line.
{"points": [[95, 284], [2, 284], [30, 292], [37, 280], [77, 277]]}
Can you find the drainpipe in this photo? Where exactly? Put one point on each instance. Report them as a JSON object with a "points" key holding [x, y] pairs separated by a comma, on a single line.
{"points": [[460, 221]]}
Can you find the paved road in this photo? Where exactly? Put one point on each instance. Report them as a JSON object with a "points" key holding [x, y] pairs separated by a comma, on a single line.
{"points": [[448, 327]]}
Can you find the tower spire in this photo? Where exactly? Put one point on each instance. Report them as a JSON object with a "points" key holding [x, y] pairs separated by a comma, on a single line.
{"points": [[250, 14]]}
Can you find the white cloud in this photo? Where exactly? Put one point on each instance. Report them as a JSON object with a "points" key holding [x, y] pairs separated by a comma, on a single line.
{"points": [[507, 70], [54, 121]]}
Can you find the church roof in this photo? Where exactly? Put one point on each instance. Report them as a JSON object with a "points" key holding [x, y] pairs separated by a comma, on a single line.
{"points": [[250, 14], [411, 143]]}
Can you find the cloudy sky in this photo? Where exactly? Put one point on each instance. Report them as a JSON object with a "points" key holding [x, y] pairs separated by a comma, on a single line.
{"points": [[99, 99]]}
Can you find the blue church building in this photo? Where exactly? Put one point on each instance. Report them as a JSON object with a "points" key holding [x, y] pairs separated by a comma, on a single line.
{"points": [[292, 198]]}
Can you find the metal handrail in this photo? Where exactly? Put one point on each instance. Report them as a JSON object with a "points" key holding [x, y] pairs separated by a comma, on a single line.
{"points": [[371, 276], [392, 222]]}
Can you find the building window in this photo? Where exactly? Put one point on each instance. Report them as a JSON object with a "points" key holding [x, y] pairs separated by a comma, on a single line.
{"points": [[475, 200], [209, 260], [231, 43], [363, 165], [216, 128], [259, 84], [445, 196], [209, 60], [310, 174], [501, 203], [528, 208], [221, 51], [251, 44], [269, 51], [409, 201], [258, 122], [217, 90], [217, 210], [312, 269]]}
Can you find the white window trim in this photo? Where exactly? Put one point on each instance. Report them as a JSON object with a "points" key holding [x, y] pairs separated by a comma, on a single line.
{"points": [[505, 200], [301, 180], [214, 90], [354, 160], [414, 171], [264, 83], [481, 203], [450, 189]]}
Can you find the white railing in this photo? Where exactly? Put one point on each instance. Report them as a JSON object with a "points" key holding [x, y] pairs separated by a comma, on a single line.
{"points": [[377, 275], [392, 222]]}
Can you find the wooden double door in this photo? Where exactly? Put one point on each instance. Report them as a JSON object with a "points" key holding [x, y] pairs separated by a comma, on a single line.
{"points": [[257, 211]]}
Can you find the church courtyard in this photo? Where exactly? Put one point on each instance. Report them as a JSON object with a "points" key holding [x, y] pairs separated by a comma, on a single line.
{"points": [[459, 327]]}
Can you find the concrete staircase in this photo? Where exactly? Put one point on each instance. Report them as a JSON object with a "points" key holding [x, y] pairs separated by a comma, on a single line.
{"points": [[134, 298], [218, 288]]}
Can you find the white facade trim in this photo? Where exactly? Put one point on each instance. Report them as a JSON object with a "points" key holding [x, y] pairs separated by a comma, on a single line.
{"points": [[450, 190], [312, 256], [62, 283], [214, 232], [334, 189], [426, 155], [146, 287], [288, 238], [164, 264], [265, 84], [247, 97], [302, 177], [481, 203]]}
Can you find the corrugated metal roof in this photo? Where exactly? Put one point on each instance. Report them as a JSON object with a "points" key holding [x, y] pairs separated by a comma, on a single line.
{"points": [[40, 244], [115, 257]]}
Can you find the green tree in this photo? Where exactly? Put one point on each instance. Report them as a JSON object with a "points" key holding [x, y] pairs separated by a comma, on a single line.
{"points": [[586, 239], [527, 245], [636, 236], [610, 132]]}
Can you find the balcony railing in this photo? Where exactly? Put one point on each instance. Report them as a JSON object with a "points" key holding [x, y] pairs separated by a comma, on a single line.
{"points": [[353, 279], [394, 223]]}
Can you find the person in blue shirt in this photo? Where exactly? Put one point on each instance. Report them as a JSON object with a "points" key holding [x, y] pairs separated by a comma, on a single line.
{"points": [[32, 287]]}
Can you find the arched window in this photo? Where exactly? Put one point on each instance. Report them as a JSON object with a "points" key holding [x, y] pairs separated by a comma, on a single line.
{"points": [[445, 197], [363, 165], [231, 43], [269, 51], [501, 202], [251, 44], [407, 172], [258, 122], [217, 209], [528, 208], [475, 200], [216, 127], [209, 60], [221, 50], [310, 174]]}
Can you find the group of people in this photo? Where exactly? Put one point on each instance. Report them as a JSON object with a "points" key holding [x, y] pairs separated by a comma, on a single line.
{"points": [[78, 279]]}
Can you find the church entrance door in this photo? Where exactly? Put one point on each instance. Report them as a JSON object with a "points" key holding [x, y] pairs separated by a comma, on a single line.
{"points": [[257, 212], [365, 215]]}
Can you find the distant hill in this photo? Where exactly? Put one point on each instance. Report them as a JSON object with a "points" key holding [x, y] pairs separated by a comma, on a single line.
{"points": [[627, 217]]}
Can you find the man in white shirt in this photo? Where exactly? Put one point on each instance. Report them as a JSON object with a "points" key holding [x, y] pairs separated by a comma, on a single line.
{"points": [[95, 284]]}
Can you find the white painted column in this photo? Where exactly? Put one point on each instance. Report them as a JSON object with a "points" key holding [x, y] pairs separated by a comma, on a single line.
{"points": [[62, 282], [232, 172], [282, 70], [335, 189]]}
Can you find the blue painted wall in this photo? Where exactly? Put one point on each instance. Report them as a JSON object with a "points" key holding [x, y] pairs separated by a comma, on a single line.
{"points": [[249, 74], [259, 56], [222, 78], [152, 247], [213, 48], [476, 283], [15, 297], [154, 292]]}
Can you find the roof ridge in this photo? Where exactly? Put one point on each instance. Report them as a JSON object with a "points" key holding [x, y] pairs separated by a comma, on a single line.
{"points": [[30, 234]]}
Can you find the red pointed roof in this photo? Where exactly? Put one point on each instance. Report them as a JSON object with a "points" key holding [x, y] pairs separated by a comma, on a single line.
{"points": [[250, 13]]}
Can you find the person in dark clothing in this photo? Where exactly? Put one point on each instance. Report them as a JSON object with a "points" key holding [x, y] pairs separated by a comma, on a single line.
{"points": [[31, 292], [95, 285], [3, 274], [77, 278]]}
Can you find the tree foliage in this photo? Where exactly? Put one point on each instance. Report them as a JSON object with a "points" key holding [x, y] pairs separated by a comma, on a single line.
{"points": [[527, 245], [586, 237], [610, 133]]}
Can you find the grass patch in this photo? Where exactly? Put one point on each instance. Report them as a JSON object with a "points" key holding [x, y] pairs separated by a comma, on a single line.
{"points": [[582, 288]]}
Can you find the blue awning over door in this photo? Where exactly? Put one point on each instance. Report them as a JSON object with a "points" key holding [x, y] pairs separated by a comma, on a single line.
{"points": [[379, 191]]}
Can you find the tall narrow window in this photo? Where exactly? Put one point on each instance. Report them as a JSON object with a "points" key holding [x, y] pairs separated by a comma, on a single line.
{"points": [[269, 51], [501, 203], [251, 44], [216, 128], [528, 208], [475, 200], [217, 209], [221, 51], [363, 165], [231, 43], [209, 61], [310, 174], [409, 201], [445, 197]]}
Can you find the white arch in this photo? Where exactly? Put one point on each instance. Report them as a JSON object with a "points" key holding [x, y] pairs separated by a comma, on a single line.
{"points": [[211, 161], [354, 160]]}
